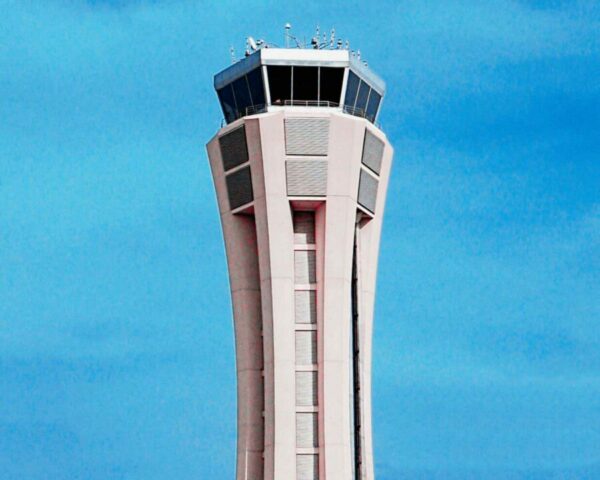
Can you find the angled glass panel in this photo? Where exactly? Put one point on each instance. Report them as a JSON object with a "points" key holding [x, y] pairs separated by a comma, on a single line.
{"points": [[362, 97], [257, 89], [280, 84], [351, 89], [331, 84], [373, 105], [227, 103], [306, 83], [242, 95]]}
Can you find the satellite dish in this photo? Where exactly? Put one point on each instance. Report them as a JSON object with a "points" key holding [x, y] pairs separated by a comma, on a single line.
{"points": [[252, 44]]}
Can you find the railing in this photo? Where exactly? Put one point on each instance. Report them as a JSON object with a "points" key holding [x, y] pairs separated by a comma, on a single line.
{"points": [[357, 112], [308, 103], [360, 112], [256, 109]]}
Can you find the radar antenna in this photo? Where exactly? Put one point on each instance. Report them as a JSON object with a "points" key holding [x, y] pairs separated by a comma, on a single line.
{"points": [[287, 35]]}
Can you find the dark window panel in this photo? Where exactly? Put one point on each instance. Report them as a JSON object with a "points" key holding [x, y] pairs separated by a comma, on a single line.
{"points": [[331, 84], [306, 83], [234, 149], [280, 84], [239, 187], [227, 103], [242, 95], [362, 97], [351, 89], [257, 89], [373, 105]]}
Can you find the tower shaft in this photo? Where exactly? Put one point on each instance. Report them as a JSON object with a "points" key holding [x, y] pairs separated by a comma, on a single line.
{"points": [[301, 193]]}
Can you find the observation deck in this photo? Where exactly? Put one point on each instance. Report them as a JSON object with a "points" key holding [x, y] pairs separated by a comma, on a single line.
{"points": [[270, 79]]}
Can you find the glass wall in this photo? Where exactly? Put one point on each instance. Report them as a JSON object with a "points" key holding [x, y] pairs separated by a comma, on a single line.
{"points": [[300, 85], [242, 94], [361, 100]]}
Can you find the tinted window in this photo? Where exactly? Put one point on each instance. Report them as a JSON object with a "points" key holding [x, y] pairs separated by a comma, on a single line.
{"points": [[256, 87], [227, 103], [331, 84], [373, 105], [363, 95], [351, 89], [306, 83], [280, 84], [242, 95]]}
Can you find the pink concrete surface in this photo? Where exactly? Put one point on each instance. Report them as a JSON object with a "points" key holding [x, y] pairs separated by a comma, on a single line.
{"points": [[260, 249]]}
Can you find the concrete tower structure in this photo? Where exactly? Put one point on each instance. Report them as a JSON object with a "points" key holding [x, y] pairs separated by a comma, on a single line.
{"points": [[300, 171]]}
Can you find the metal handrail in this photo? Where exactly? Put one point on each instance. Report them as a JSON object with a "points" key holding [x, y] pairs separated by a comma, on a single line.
{"points": [[255, 109], [309, 103], [349, 109], [360, 112]]}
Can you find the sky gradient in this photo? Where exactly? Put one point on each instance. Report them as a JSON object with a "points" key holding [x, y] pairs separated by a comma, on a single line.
{"points": [[116, 339]]}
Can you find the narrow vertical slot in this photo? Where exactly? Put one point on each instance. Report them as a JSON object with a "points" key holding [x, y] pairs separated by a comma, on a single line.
{"points": [[356, 365]]}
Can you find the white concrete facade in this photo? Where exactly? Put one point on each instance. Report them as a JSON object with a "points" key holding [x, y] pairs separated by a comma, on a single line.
{"points": [[297, 265]]}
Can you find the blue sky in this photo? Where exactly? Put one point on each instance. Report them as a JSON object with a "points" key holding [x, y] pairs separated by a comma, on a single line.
{"points": [[116, 343]]}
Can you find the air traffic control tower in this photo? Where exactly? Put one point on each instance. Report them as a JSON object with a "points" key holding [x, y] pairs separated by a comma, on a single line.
{"points": [[300, 169]]}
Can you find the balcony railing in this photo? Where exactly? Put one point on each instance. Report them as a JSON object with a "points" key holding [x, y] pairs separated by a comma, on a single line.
{"points": [[309, 103], [255, 109], [358, 112], [262, 108]]}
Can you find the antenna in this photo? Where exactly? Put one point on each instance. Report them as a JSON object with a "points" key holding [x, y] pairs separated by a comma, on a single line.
{"points": [[232, 54], [252, 44], [332, 38], [287, 27]]}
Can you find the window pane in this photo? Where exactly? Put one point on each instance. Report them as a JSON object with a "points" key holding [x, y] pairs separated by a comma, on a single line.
{"points": [[257, 89], [242, 95], [363, 95], [280, 84], [227, 102], [306, 83], [351, 89], [331, 84], [374, 100]]}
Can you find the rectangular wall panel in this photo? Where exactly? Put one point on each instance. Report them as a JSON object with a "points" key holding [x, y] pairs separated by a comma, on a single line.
{"points": [[305, 307], [306, 136], [367, 191], [306, 347], [305, 267], [306, 178], [239, 187], [233, 148], [304, 228], [307, 467], [372, 152], [306, 389], [307, 435]]}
